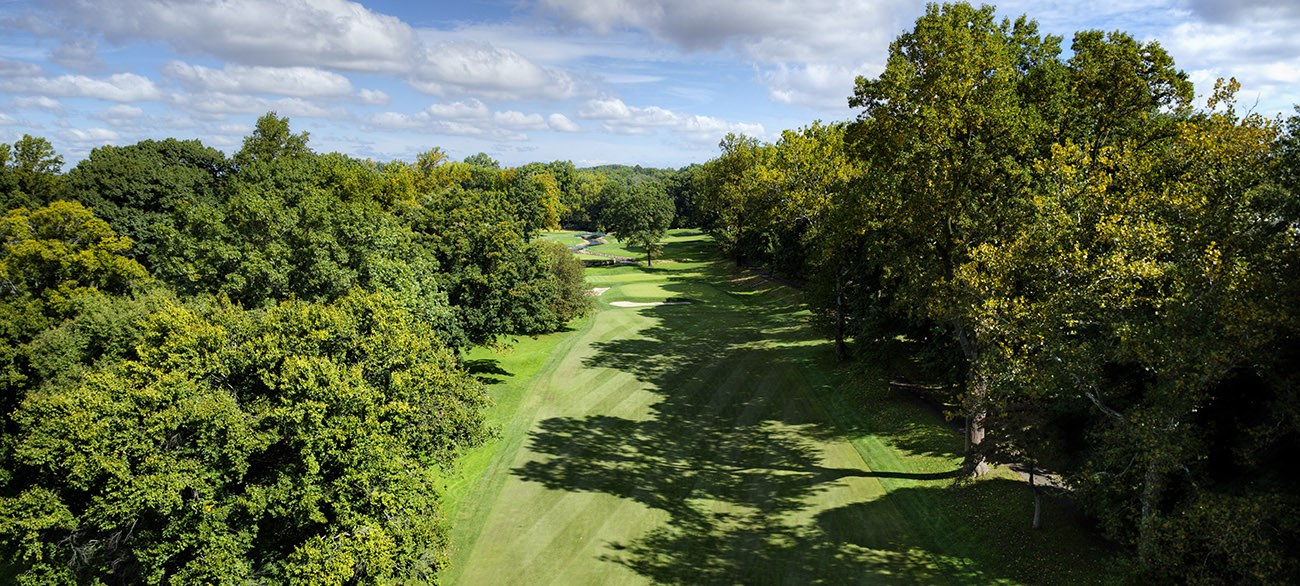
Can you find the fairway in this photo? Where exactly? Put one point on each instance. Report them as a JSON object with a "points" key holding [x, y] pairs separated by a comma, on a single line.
{"points": [[714, 442]]}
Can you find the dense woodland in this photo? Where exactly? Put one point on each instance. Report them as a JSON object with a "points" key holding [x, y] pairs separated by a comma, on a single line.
{"points": [[227, 369], [1096, 276], [220, 369]]}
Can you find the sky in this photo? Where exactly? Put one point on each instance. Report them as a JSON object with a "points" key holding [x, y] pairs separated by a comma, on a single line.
{"points": [[651, 82]]}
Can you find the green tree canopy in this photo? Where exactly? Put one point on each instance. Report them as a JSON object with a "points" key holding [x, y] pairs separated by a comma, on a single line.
{"points": [[640, 216], [295, 444], [29, 173], [272, 140], [56, 250]]}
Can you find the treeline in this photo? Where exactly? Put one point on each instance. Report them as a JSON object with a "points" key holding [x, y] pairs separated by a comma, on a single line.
{"points": [[1101, 276], [230, 370]]}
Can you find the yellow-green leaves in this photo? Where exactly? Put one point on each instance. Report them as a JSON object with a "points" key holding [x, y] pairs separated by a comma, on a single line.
{"points": [[56, 250], [296, 441]]}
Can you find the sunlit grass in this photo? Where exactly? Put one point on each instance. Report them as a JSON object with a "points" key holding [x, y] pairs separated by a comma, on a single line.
{"points": [[717, 443]]}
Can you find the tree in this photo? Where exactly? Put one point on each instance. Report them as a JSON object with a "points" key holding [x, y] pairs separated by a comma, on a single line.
{"points": [[29, 173], [640, 216], [570, 300], [295, 444], [724, 208], [271, 140], [138, 189], [60, 249], [952, 126], [484, 161]]}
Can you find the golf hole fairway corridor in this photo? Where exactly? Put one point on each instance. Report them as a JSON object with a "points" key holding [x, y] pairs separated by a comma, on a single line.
{"points": [[717, 443]]}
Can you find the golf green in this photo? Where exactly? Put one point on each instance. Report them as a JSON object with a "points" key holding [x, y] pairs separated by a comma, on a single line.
{"points": [[715, 442]]}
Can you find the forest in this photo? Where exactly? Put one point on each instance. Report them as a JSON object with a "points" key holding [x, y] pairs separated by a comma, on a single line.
{"points": [[219, 369], [1091, 274], [251, 368]]}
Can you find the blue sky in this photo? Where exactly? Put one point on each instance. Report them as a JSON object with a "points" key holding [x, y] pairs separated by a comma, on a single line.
{"points": [[650, 82]]}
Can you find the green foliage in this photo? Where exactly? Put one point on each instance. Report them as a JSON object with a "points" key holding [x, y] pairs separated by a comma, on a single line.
{"points": [[640, 216], [272, 140], [295, 444], [1109, 262], [29, 173], [570, 300], [60, 249], [139, 189]]}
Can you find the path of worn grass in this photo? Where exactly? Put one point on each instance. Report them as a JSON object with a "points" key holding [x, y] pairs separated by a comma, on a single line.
{"points": [[713, 443]]}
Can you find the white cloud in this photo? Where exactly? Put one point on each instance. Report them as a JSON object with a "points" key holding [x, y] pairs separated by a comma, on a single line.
{"points": [[119, 87], [467, 110], [317, 35], [562, 123], [78, 54], [519, 121], [9, 68], [216, 106], [302, 82], [234, 129], [474, 68], [1245, 11], [617, 117], [38, 103], [7, 120], [467, 118], [815, 85], [89, 135], [331, 33], [772, 31], [373, 97], [1263, 56], [120, 116]]}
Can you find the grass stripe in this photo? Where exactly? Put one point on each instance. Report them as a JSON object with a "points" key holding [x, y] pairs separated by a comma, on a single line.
{"points": [[716, 443]]}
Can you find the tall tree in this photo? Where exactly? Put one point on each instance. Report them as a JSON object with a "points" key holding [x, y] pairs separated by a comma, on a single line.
{"points": [[29, 173], [138, 189], [271, 140], [296, 444], [640, 216], [57, 250], [954, 126]]}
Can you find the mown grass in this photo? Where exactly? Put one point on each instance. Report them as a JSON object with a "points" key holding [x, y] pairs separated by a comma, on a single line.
{"points": [[677, 244], [564, 237], [716, 443]]}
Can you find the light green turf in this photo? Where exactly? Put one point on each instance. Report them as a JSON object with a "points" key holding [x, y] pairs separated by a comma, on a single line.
{"points": [[679, 244], [565, 237], [714, 443]]}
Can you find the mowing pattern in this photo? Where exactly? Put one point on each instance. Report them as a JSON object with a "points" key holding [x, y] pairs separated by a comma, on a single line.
{"points": [[684, 445]]}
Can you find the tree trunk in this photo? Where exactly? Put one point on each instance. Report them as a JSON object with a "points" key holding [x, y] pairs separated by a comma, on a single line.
{"points": [[976, 408], [1038, 498]]}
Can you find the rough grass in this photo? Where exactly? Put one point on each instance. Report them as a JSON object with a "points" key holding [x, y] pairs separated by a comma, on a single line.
{"points": [[716, 443]]}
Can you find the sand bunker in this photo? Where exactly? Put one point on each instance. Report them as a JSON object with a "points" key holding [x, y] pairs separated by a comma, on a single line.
{"points": [[646, 304], [597, 291]]}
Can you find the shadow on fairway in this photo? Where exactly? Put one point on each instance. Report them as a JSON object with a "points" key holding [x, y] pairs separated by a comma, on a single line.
{"points": [[733, 457], [851, 545]]}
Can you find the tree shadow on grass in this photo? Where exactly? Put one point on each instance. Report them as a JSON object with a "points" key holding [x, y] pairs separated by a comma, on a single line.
{"points": [[480, 368], [734, 457], [923, 535]]}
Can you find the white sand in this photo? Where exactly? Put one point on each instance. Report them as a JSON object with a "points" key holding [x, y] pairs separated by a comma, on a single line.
{"points": [[598, 290], [649, 304]]}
